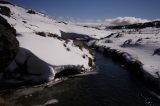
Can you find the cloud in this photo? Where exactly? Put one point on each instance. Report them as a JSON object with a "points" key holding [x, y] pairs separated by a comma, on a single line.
{"points": [[114, 21], [125, 21]]}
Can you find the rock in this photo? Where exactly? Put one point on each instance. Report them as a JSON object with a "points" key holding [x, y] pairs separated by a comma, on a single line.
{"points": [[8, 43], [5, 11], [7, 25]]}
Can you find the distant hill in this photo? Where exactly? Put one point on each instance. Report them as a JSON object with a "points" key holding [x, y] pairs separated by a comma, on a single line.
{"points": [[155, 24]]}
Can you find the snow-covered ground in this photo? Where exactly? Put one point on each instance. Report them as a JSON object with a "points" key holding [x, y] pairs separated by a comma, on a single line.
{"points": [[43, 53], [141, 44], [25, 22]]}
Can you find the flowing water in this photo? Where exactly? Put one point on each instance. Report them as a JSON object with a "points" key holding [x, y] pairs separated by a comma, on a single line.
{"points": [[112, 86]]}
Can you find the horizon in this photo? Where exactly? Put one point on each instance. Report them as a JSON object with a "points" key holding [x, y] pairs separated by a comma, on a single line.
{"points": [[94, 10]]}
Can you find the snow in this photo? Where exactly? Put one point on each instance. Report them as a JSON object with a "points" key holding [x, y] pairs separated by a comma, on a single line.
{"points": [[35, 66], [42, 54], [53, 52], [91, 32], [25, 22], [142, 46]]}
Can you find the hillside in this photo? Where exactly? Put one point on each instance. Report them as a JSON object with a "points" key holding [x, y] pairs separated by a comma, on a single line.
{"points": [[135, 45], [44, 43], [155, 24], [41, 48]]}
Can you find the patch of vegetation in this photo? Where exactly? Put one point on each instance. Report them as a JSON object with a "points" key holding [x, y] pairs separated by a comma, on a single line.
{"points": [[45, 34], [84, 56], [127, 42], [52, 35], [68, 49], [66, 40], [108, 41], [109, 36], [147, 38], [90, 62], [139, 40], [62, 22], [5, 11], [31, 12], [41, 34], [64, 45], [157, 52], [86, 26], [24, 21], [79, 44], [118, 35]]}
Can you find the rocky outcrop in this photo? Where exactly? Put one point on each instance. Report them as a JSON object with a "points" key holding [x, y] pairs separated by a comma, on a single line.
{"points": [[7, 25], [5, 11], [8, 43]]}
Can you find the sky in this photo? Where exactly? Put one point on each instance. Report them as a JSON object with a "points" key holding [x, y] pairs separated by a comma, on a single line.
{"points": [[95, 9]]}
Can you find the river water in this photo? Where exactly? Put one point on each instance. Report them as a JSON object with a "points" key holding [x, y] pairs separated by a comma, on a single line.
{"points": [[112, 86]]}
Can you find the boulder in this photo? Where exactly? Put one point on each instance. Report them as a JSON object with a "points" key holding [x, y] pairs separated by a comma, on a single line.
{"points": [[8, 43], [5, 11]]}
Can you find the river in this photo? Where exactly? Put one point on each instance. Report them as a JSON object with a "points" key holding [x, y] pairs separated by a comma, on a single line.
{"points": [[112, 86]]}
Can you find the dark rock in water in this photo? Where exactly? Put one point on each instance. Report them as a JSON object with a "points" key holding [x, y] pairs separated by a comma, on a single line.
{"points": [[8, 43], [5, 11]]}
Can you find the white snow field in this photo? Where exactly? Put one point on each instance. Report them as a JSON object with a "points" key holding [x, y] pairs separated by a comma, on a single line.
{"points": [[43, 53], [141, 45]]}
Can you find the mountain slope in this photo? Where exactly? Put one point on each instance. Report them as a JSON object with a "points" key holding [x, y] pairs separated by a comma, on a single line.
{"points": [[41, 48]]}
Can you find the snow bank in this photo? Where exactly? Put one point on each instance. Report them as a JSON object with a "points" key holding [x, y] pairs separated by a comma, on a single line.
{"points": [[139, 44], [49, 49], [53, 51], [41, 54], [36, 69]]}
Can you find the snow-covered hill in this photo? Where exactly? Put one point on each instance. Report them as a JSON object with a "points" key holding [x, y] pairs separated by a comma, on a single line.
{"points": [[41, 43], [141, 44], [25, 22], [42, 48]]}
